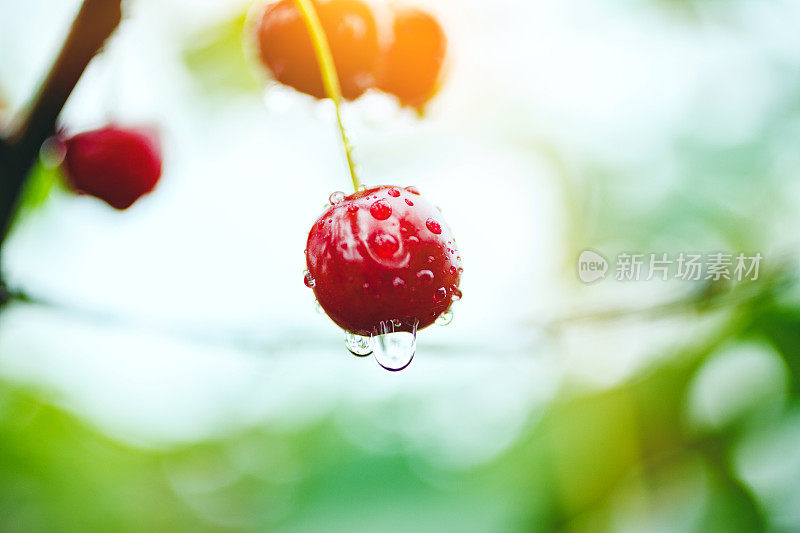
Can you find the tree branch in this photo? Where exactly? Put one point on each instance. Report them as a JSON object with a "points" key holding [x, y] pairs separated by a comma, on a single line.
{"points": [[95, 22]]}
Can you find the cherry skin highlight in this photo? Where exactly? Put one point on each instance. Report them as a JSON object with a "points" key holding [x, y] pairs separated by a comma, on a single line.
{"points": [[116, 165], [286, 49], [373, 259], [410, 67]]}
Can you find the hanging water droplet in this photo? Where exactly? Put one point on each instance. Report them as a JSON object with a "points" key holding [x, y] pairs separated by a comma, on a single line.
{"points": [[308, 279], [362, 187], [336, 197], [457, 295], [394, 350], [318, 308], [445, 318], [359, 345]]}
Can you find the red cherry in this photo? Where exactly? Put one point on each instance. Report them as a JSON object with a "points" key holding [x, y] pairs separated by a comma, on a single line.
{"points": [[410, 67], [114, 164], [378, 264], [286, 49]]}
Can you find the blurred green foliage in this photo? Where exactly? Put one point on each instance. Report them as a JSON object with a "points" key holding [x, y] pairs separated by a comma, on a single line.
{"points": [[218, 59], [592, 460]]}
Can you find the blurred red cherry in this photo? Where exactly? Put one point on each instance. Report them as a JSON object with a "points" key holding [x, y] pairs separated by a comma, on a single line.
{"points": [[383, 254], [410, 66], [286, 49], [117, 165]]}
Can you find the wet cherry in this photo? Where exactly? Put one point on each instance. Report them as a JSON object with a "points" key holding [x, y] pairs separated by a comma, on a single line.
{"points": [[410, 67], [286, 50], [117, 165], [374, 266]]}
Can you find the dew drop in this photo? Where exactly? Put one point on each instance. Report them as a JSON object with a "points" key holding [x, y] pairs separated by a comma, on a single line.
{"points": [[409, 202], [394, 350], [385, 245], [412, 189], [440, 295], [399, 283], [425, 276], [457, 294], [431, 259], [52, 152], [413, 239], [308, 279], [336, 197], [380, 210], [362, 187], [445, 318], [359, 345], [433, 226], [393, 192], [453, 271]]}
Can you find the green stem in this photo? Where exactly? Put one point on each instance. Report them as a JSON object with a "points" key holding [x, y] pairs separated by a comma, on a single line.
{"points": [[330, 79]]}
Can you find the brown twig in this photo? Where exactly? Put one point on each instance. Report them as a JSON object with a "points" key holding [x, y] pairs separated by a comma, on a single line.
{"points": [[95, 22]]}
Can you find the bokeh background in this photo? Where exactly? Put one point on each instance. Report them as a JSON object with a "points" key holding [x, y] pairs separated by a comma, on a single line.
{"points": [[169, 372]]}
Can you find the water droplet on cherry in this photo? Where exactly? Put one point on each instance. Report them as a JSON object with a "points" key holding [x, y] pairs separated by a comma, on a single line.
{"points": [[399, 283], [308, 279], [409, 202], [336, 197], [425, 276], [380, 210], [393, 192], [433, 226], [385, 245], [440, 295]]}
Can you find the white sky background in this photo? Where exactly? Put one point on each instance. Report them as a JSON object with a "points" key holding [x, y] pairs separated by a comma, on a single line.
{"points": [[213, 260]]}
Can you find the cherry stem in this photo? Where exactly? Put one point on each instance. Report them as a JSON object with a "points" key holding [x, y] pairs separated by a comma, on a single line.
{"points": [[95, 22], [330, 79]]}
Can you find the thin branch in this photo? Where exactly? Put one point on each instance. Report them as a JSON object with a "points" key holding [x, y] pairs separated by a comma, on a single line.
{"points": [[95, 22]]}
